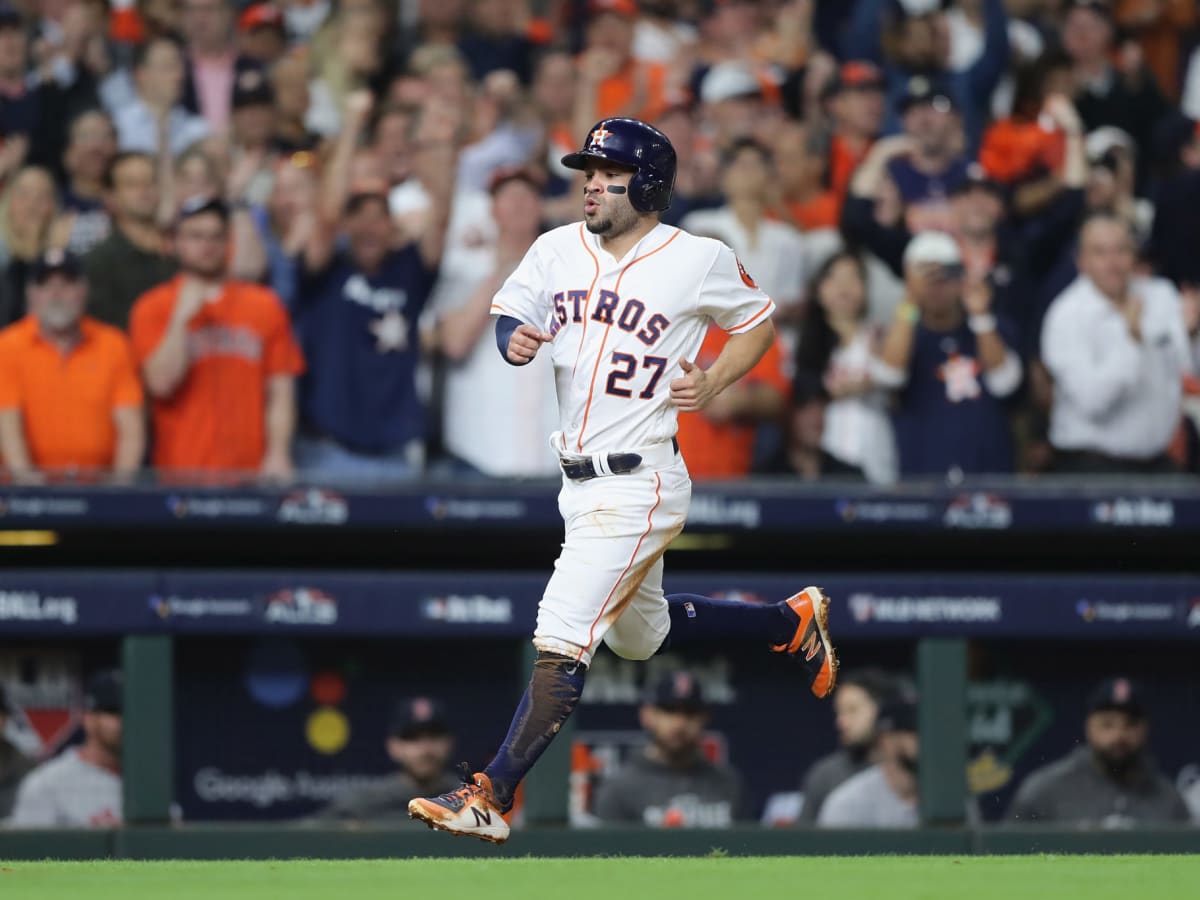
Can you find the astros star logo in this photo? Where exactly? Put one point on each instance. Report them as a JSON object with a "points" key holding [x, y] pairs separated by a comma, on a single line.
{"points": [[598, 137], [391, 332]]}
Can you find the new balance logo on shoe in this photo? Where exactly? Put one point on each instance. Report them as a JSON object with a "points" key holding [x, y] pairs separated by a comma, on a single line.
{"points": [[481, 817], [811, 645]]}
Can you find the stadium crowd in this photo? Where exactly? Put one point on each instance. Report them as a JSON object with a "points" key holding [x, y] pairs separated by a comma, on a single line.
{"points": [[278, 227]]}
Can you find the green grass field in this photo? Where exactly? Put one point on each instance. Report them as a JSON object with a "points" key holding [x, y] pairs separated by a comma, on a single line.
{"points": [[794, 878]]}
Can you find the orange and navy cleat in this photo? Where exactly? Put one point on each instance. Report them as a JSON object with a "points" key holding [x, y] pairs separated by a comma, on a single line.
{"points": [[810, 644], [471, 810]]}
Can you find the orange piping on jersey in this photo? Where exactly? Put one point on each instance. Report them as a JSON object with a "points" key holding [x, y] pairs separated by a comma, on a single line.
{"points": [[586, 300], [496, 307], [616, 289], [753, 317], [628, 566]]}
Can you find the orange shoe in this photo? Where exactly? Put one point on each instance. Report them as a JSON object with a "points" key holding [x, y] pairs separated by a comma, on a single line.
{"points": [[471, 810], [810, 644]]}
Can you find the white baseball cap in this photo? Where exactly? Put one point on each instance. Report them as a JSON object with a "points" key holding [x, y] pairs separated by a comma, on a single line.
{"points": [[728, 80], [932, 247]]}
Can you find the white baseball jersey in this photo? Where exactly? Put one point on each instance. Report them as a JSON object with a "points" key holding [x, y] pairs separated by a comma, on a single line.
{"points": [[620, 329], [621, 326]]}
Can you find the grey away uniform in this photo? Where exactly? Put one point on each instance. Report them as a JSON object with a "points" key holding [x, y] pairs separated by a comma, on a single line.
{"points": [[701, 796], [1073, 790], [867, 801], [67, 792], [388, 803], [826, 774]]}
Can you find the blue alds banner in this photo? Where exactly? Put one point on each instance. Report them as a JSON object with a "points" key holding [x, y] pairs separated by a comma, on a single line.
{"points": [[504, 605], [1042, 507]]}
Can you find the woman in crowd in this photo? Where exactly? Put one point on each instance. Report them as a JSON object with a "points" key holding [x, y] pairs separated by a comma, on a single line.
{"points": [[834, 358]]}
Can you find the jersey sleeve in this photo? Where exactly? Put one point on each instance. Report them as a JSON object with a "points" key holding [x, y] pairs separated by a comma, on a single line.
{"points": [[34, 806], [524, 295], [730, 297]]}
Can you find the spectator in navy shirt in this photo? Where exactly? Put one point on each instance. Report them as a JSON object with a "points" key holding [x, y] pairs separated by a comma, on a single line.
{"points": [[952, 363], [358, 305], [909, 178], [917, 44]]}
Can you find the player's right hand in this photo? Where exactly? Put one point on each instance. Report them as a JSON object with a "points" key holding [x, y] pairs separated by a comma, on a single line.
{"points": [[524, 343]]}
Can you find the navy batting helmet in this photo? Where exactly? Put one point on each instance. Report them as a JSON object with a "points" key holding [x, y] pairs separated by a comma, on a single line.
{"points": [[633, 143]]}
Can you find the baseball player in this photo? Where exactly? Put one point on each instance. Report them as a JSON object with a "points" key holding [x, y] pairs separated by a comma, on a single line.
{"points": [[621, 302]]}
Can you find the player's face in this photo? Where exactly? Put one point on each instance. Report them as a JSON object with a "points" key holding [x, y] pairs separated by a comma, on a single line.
{"points": [[675, 732], [201, 243], [902, 749], [1116, 738], [423, 756], [854, 713], [1107, 257], [604, 212], [104, 730]]}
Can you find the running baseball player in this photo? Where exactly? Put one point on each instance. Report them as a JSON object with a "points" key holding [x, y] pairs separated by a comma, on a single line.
{"points": [[622, 302]]}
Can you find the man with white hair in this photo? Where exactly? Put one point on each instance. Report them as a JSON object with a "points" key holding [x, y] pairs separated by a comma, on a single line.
{"points": [[952, 363], [1116, 346]]}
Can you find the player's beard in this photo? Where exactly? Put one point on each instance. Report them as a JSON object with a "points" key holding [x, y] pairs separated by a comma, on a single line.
{"points": [[614, 221]]}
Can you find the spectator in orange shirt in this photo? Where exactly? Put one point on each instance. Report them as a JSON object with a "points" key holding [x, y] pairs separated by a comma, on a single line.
{"points": [[856, 106], [719, 441], [611, 81], [69, 391], [218, 358], [800, 164]]}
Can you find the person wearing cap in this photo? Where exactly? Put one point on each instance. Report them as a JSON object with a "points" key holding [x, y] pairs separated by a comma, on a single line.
{"points": [[1110, 781], [261, 35], [671, 783], [218, 358], [420, 743], [70, 398], [481, 392], [81, 787], [856, 707], [252, 137], [1126, 94], [885, 794], [908, 38], [14, 765], [1116, 345], [855, 102], [953, 365], [359, 302]]}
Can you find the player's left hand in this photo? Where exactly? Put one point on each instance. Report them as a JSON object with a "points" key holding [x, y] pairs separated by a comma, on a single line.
{"points": [[694, 390]]}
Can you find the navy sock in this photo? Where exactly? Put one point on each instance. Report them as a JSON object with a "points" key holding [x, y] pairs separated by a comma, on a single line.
{"points": [[553, 693], [698, 618]]}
